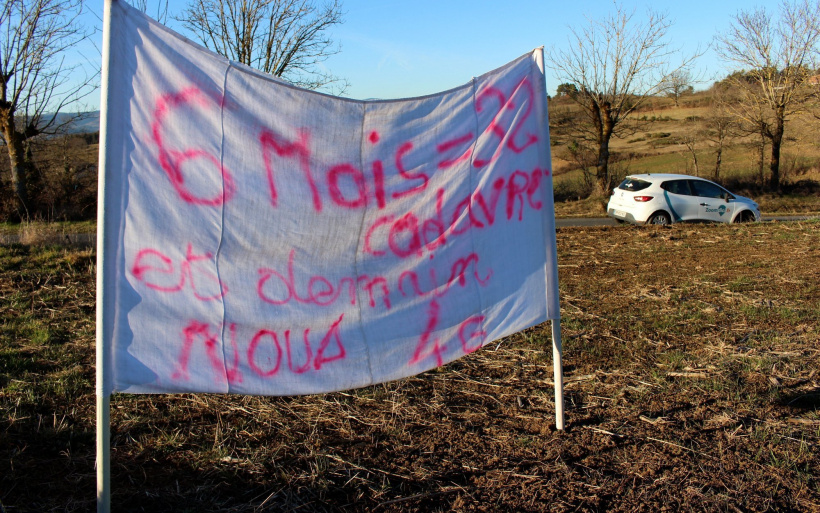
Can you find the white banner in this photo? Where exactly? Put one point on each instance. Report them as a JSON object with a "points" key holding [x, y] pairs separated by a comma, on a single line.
{"points": [[264, 239]]}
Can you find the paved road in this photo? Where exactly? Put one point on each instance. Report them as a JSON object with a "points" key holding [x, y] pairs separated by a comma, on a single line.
{"points": [[585, 221], [608, 221]]}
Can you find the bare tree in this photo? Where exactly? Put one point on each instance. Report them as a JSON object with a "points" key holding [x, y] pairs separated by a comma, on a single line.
{"points": [[617, 63], [718, 129], [691, 143], [678, 84], [719, 125], [780, 56], [286, 38], [36, 82]]}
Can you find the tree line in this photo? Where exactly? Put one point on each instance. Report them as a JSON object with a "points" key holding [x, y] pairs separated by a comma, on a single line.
{"points": [[610, 67]]}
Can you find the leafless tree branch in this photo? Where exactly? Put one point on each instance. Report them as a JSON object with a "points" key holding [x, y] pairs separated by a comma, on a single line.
{"points": [[161, 12], [286, 38]]}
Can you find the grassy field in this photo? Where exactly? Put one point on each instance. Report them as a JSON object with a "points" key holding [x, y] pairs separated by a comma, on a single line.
{"points": [[692, 362], [657, 145]]}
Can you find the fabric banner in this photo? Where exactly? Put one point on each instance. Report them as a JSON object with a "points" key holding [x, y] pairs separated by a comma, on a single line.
{"points": [[265, 239]]}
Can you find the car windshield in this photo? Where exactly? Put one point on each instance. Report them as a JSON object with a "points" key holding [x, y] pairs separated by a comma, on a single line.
{"points": [[634, 184]]}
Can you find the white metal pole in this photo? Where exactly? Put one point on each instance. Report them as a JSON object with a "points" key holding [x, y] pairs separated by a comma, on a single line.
{"points": [[558, 373], [552, 280], [103, 394], [103, 454]]}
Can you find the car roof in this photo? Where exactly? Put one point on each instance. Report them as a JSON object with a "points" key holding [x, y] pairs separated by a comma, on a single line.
{"points": [[665, 176]]}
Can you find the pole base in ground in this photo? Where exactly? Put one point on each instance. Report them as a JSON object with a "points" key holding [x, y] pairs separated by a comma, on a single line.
{"points": [[558, 374], [103, 454]]}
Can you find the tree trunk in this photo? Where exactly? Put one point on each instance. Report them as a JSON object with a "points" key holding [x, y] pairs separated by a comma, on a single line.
{"points": [[19, 179], [602, 167], [604, 126], [17, 163], [690, 145], [761, 158], [777, 142], [718, 159]]}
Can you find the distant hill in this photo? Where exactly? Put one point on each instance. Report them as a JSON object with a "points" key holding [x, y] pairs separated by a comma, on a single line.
{"points": [[87, 124]]}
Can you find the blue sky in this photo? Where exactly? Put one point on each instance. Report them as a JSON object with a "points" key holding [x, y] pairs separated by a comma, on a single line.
{"points": [[394, 49]]}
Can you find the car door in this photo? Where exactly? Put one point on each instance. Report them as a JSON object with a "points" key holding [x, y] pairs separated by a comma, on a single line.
{"points": [[679, 200], [712, 201]]}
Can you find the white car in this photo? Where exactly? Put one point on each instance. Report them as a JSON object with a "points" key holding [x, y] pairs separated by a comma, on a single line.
{"points": [[666, 198]]}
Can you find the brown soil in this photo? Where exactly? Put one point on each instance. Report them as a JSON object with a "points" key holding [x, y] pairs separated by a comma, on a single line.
{"points": [[691, 357]]}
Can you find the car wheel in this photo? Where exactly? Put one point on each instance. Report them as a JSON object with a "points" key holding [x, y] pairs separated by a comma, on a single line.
{"points": [[745, 217], [660, 218]]}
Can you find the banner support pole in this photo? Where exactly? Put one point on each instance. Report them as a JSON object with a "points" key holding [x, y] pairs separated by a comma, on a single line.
{"points": [[103, 454], [103, 428], [558, 374], [552, 278]]}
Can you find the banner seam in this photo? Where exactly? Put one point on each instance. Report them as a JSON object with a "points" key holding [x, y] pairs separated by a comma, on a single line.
{"points": [[222, 220], [470, 170], [358, 246]]}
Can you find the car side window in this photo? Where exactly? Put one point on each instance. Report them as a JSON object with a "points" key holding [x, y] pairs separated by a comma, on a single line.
{"points": [[677, 187], [706, 189]]}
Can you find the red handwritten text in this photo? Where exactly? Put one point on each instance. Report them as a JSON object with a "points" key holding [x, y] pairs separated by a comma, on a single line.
{"points": [[316, 355], [343, 183], [465, 337], [156, 270], [171, 160], [409, 236], [276, 288], [505, 105], [209, 336], [318, 291]]}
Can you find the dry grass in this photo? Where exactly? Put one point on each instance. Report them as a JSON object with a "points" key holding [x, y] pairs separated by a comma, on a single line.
{"points": [[692, 383], [44, 233], [657, 145]]}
